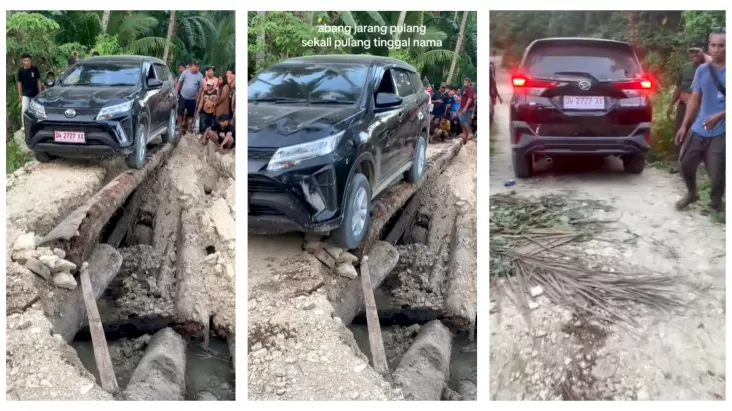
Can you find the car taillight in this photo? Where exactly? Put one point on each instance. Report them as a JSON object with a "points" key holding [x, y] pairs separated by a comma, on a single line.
{"points": [[528, 82], [644, 84], [648, 137], [516, 136]]}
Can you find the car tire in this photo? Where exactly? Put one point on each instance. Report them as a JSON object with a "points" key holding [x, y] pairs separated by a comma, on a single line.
{"points": [[416, 172], [43, 157], [356, 214], [634, 164], [137, 159], [170, 135], [523, 165]]}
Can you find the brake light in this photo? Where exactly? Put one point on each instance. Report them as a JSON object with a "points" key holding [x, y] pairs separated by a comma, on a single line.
{"points": [[644, 84], [648, 137], [516, 136], [528, 82]]}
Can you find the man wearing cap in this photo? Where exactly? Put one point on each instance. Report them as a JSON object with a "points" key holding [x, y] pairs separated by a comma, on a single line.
{"points": [[703, 129], [207, 106], [683, 87], [189, 83]]}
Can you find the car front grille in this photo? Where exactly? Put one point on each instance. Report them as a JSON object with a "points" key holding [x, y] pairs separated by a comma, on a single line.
{"points": [[256, 210], [263, 185], [261, 154], [79, 112]]}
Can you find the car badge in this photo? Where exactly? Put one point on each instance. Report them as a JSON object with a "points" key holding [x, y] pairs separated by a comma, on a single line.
{"points": [[70, 113], [584, 85]]}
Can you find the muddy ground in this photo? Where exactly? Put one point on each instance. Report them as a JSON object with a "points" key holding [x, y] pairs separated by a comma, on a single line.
{"points": [[195, 184], [299, 350], [678, 355]]}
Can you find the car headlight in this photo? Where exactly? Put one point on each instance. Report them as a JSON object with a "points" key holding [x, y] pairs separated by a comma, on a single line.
{"points": [[114, 111], [37, 109], [293, 155]]}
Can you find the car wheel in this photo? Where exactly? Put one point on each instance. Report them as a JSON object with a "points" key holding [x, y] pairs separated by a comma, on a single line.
{"points": [[170, 135], [634, 164], [523, 165], [137, 159], [416, 172], [43, 157], [356, 214]]}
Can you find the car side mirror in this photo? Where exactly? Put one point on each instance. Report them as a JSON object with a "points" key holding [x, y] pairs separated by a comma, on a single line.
{"points": [[387, 100], [153, 83]]}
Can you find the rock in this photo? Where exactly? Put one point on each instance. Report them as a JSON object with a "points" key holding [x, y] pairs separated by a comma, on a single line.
{"points": [[26, 241], [86, 388], [450, 395], [160, 375], [63, 266], [325, 258], [347, 270], [143, 234], [643, 394], [309, 305], [211, 259], [312, 246], [205, 396], [260, 353], [49, 260], [419, 234], [347, 258], [333, 251], [360, 368], [354, 395], [536, 291], [533, 305], [38, 268], [221, 217], [59, 252], [65, 280], [468, 390], [425, 368], [21, 256]]}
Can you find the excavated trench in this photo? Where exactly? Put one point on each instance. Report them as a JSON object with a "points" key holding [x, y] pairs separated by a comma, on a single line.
{"points": [[176, 274], [413, 294]]}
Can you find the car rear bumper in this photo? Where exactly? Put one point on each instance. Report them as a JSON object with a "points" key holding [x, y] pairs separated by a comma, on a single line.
{"points": [[531, 143]]}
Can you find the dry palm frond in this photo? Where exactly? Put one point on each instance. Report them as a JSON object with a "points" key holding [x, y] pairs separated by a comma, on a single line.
{"points": [[525, 236]]}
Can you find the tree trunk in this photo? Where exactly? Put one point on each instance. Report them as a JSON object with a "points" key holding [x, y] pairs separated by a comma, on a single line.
{"points": [[81, 229], [400, 22], [458, 47], [169, 37], [394, 199], [261, 45], [105, 20]]}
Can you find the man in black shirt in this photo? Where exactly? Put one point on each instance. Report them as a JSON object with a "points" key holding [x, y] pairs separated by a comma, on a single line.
{"points": [[29, 84], [222, 133]]}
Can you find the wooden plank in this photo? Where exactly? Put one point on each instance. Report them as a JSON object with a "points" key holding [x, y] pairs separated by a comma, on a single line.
{"points": [[403, 222], [101, 351], [126, 221], [378, 355]]}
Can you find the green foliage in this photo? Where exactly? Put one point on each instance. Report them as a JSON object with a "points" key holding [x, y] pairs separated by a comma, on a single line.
{"points": [[14, 157], [275, 36]]}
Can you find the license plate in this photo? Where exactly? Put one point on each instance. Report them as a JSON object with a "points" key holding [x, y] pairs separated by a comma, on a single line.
{"points": [[584, 103], [69, 137]]}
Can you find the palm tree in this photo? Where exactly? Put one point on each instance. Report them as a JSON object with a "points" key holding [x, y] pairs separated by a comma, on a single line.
{"points": [[105, 20], [260, 44], [458, 46], [400, 22], [169, 37]]}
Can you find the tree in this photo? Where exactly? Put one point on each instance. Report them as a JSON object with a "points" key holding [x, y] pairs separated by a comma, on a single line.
{"points": [[105, 20], [260, 41], [458, 46], [169, 37], [400, 22]]}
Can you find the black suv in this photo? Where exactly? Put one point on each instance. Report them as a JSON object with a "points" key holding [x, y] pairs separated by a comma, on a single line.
{"points": [[580, 96], [110, 105], [326, 135]]}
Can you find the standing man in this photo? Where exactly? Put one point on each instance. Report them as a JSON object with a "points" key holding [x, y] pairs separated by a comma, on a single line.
{"points": [[189, 83], [29, 85], [706, 113], [467, 104], [682, 92]]}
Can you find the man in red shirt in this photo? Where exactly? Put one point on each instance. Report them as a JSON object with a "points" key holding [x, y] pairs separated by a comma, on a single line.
{"points": [[467, 105]]}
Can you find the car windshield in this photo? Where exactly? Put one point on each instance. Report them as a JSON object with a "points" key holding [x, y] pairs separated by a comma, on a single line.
{"points": [[102, 74], [603, 63], [309, 83]]}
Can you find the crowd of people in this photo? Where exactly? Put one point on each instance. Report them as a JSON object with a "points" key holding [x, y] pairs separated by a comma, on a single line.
{"points": [[700, 101], [453, 111], [207, 103]]}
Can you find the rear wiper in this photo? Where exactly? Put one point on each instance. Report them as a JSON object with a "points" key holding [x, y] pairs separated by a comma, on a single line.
{"points": [[578, 73], [333, 102]]}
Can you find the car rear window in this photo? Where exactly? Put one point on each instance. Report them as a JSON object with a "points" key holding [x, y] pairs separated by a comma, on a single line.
{"points": [[602, 62], [340, 82], [102, 74]]}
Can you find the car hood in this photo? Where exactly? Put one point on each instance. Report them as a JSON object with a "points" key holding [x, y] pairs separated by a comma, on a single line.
{"points": [[84, 97], [274, 125]]}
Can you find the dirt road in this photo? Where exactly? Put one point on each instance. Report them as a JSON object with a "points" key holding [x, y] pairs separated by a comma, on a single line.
{"points": [[678, 356]]}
